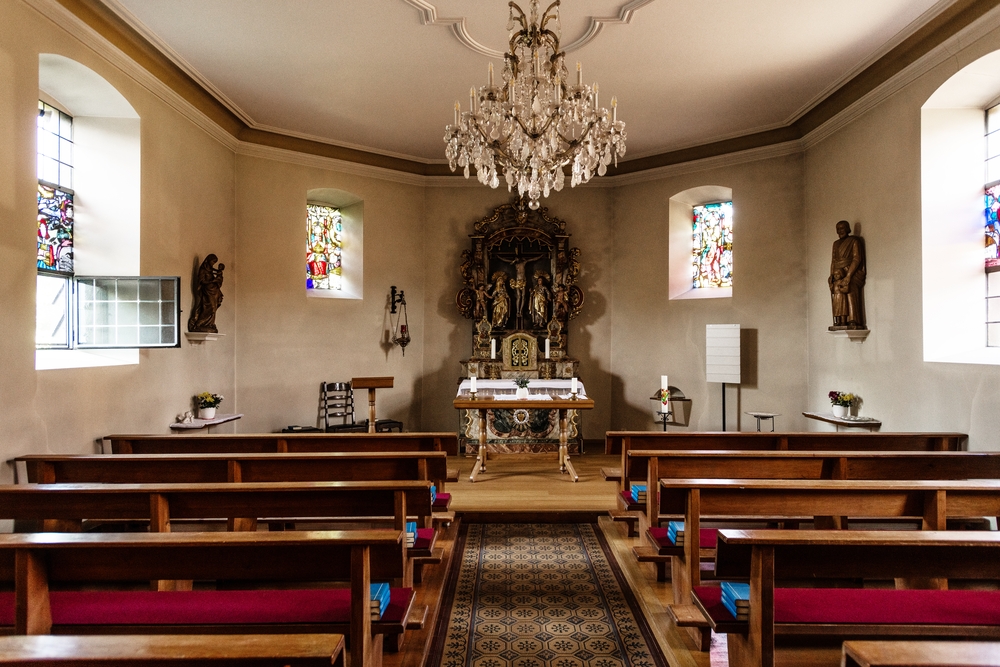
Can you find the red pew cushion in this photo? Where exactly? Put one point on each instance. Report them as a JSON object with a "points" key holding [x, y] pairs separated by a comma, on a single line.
{"points": [[708, 537], [206, 607], [870, 606]]}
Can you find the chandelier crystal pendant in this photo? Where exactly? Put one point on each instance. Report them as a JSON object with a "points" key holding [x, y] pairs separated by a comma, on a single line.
{"points": [[536, 122]]}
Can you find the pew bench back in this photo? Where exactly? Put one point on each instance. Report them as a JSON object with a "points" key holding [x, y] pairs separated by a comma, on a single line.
{"points": [[284, 442]]}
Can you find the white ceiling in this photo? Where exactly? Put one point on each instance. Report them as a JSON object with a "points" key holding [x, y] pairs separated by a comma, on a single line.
{"points": [[370, 74]]}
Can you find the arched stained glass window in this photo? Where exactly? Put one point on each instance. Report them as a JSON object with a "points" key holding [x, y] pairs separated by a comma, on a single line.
{"points": [[324, 246], [712, 247]]}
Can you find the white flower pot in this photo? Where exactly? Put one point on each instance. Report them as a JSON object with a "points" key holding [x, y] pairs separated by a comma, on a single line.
{"points": [[522, 392], [841, 411], [206, 413]]}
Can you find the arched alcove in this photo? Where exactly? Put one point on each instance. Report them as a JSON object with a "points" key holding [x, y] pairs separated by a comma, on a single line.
{"points": [[106, 185], [352, 211], [680, 229], [953, 151]]}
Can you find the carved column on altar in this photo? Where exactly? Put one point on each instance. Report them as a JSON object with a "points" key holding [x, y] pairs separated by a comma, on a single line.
{"points": [[520, 291]]}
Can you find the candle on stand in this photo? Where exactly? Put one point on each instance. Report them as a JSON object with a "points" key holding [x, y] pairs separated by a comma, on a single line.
{"points": [[493, 348], [547, 349], [472, 384], [572, 386], [664, 385]]}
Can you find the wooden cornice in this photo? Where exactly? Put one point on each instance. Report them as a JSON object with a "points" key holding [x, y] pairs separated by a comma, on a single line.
{"points": [[948, 23]]}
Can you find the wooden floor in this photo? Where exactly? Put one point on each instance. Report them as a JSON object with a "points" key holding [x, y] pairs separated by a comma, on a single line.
{"points": [[527, 488]]}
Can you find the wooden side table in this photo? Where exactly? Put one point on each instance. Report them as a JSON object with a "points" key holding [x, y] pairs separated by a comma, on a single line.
{"points": [[371, 384], [205, 423]]}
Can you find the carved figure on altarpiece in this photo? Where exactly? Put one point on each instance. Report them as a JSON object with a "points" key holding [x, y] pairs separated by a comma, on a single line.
{"points": [[509, 246]]}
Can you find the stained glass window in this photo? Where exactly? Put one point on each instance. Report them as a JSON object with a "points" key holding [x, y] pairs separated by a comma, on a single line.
{"points": [[712, 258], [55, 229], [992, 241], [324, 245]]}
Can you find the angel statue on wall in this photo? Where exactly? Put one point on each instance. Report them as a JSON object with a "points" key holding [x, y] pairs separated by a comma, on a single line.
{"points": [[209, 296]]}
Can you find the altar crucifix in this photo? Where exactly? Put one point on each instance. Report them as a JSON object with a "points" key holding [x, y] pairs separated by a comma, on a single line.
{"points": [[520, 291]]}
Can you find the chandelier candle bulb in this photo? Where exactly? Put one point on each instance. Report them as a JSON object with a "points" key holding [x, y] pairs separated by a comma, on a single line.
{"points": [[579, 74], [596, 106], [614, 109], [491, 75], [458, 110]]}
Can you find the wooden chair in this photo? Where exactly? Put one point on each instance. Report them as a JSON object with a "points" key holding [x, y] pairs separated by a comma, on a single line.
{"points": [[337, 401]]}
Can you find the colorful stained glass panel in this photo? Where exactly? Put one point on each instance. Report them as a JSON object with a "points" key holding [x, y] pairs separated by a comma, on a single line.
{"points": [[712, 260], [992, 201], [55, 229], [324, 245]]}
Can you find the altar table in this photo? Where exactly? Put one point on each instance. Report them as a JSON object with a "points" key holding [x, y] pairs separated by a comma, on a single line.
{"points": [[496, 398]]}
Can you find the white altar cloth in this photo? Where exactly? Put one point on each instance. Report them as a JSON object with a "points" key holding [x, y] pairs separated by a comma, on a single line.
{"points": [[537, 389]]}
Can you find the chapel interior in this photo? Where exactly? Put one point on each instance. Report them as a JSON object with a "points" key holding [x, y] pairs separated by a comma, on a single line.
{"points": [[207, 133]]}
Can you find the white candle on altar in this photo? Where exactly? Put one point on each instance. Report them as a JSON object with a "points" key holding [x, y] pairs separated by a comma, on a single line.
{"points": [[663, 383], [472, 384], [493, 348], [547, 349], [572, 386]]}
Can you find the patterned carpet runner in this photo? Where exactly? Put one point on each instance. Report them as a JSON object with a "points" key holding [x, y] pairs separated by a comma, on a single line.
{"points": [[540, 595]]}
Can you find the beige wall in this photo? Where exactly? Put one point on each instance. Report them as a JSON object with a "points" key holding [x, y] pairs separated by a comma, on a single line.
{"points": [[187, 211], [653, 336], [200, 197], [869, 174], [287, 343]]}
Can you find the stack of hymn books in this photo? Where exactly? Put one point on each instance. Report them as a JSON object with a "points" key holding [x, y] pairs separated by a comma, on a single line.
{"points": [[380, 600], [675, 531], [411, 533], [638, 493], [736, 599], [434, 493]]}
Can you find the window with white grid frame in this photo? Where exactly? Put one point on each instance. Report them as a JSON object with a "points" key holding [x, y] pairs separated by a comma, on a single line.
{"points": [[992, 240]]}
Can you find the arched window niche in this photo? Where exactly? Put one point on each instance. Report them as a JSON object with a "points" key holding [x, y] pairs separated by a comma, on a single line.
{"points": [[106, 182], [352, 213], [953, 175], [680, 225]]}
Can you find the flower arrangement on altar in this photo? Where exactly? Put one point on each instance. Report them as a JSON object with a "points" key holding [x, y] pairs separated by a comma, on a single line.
{"points": [[208, 400], [842, 398], [521, 382]]}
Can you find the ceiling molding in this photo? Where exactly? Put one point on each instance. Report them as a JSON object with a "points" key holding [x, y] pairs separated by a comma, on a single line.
{"points": [[112, 37], [320, 162], [459, 27], [64, 18]]}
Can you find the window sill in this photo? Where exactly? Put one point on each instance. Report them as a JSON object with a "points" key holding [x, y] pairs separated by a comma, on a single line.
{"points": [[47, 360], [705, 293]]}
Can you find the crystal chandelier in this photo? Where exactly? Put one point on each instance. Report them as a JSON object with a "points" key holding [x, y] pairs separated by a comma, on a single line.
{"points": [[536, 122]]}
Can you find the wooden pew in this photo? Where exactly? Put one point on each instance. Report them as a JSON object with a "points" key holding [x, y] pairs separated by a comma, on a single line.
{"points": [[240, 467], [284, 442], [920, 654], [807, 626], [621, 442], [40, 564], [64, 507], [180, 650], [654, 465], [930, 501]]}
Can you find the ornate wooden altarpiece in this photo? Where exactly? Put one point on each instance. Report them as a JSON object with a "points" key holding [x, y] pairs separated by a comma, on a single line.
{"points": [[520, 288]]}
